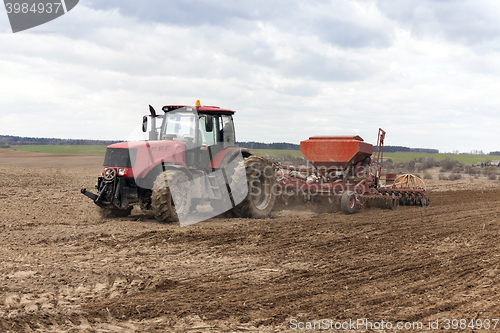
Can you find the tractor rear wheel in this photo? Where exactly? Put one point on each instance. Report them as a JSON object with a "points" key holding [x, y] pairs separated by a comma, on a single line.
{"points": [[162, 202], [261, 182], [348, 202]]}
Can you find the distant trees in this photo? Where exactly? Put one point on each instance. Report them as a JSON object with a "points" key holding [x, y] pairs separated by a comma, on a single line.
{"points": [[448, 164], [18, 140], [426, 162], [275, 145], [292, 146], [401, 149], [9, 140]]}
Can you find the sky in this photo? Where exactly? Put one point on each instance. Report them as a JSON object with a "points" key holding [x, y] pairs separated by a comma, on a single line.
{"points": [[427, 72]]}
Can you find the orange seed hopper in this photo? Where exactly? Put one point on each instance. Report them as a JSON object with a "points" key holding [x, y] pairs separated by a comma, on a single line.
{"points": [[335, 151]]}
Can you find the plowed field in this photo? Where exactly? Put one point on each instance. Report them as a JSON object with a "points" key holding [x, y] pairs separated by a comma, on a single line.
{"points": [[65, 269]]}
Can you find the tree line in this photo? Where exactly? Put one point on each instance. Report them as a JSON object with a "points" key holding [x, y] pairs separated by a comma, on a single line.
{"points": [[275, 145], [401, 149], [9, 140], [292, 146]]}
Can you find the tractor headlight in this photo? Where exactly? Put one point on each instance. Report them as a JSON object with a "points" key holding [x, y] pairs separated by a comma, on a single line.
{"points": [[109, 173]]}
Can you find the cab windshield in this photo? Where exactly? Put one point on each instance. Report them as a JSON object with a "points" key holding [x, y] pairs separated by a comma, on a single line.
{"points": [[178, 125], [212, 130]]}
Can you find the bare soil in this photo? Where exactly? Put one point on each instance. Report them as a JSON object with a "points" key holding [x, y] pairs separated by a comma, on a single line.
{"points": [[65, 269]]}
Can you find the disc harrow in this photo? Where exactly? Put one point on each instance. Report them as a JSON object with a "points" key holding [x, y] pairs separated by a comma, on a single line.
{"points": [[343, 174], [409, 189]]}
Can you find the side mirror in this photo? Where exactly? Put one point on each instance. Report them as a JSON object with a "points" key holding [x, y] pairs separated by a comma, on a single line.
{"points": [[209, 124], [144, 123]]}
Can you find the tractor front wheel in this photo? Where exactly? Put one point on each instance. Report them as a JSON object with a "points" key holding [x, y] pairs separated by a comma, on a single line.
{"points": [[167, 183]]}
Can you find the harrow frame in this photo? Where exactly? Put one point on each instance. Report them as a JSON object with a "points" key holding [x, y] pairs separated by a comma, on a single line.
{"points": [[345, 174]]}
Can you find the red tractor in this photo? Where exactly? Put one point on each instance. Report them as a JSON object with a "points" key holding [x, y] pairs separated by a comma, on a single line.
{"points": [[190, 160]]}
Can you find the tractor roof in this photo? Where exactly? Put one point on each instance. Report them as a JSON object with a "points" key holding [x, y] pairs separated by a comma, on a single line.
{"points": [[201, 109]]}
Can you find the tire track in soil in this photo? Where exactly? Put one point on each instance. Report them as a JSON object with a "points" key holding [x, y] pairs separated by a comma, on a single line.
{"points": [[371, 262], [70, 270]]}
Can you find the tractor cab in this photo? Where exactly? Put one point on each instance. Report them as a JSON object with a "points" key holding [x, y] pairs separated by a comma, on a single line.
{"points": [[204, 130]]}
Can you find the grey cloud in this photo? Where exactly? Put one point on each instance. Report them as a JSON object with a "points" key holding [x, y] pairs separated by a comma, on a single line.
{"points": [[302, 90], [460, 21], [289, 58], [249, 50], [196, 12], [340, 24], [351, 35], [323, 68], [306, 18]]}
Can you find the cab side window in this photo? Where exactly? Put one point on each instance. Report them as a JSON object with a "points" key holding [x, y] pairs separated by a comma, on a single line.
{"points": [[208, 138], [227, 131]]}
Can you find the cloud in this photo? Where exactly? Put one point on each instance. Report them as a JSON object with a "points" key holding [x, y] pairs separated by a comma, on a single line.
{"points": [[290, 69], [193, 13], [459, 21]]}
